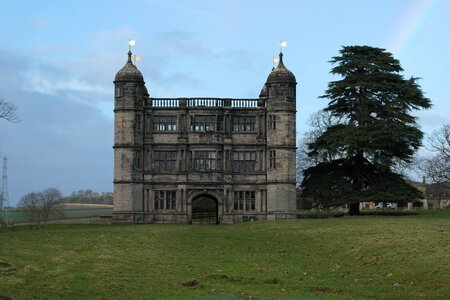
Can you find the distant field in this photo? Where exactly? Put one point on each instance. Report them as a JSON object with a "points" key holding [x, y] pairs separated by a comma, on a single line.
{"points": [[370, 257], [71, 211]]}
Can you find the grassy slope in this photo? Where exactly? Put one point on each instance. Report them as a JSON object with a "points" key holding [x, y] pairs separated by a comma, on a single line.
{"points": [[344, 258]]}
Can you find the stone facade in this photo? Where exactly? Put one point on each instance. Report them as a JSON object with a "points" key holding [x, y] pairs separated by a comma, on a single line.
{"points": [[218, 160]]}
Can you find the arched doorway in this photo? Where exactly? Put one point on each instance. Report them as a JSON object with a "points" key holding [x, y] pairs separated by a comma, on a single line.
{"points": [[204, 210]]}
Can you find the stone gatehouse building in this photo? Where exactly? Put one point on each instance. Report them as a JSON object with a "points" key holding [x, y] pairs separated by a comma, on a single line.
{"points": [[186, 160]]}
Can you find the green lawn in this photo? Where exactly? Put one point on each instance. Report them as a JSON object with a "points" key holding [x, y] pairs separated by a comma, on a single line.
{"points": [[16, 216], [86, 213], [370, 257]]}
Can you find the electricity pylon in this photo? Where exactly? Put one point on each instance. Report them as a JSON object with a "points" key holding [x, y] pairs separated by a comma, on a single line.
{"points": [[4, 197]]}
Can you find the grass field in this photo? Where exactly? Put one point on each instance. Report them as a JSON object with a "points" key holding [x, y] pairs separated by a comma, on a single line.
{"points": [[370, 257], [70, 212]]}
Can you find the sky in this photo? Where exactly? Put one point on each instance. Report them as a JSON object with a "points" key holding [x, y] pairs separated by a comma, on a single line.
{"points": [[58, 60]]}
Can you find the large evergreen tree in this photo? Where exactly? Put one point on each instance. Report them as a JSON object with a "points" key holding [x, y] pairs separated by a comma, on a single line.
{"points": [[375, 103]]}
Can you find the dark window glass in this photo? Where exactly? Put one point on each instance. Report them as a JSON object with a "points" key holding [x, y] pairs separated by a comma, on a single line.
{"points": [[119, 91], [244, 161], [291, 92], [165, 200], [272, 159], [272, 122], [244, 200], [204, 123], [138, 90], [164, 161], [164, 123], [272, 92], [137, 122], [206, 161], [244, 123], [137, 160]]}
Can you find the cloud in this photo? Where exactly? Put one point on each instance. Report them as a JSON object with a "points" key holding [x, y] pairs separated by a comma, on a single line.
{"points": [[53, 80], [51, 86], [162, 69], [175, 85], [12, 65], [432, 119], [177, 43], [59, 143], [186, 79], [71, 80], [64, 139]]}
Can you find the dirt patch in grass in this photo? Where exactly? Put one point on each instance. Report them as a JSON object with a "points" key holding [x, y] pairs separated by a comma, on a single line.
{"points": [[57, 259], [4, 264], [226, 277], [190, 283], [318, 289], [272, 281], [6, 268], [31, 269]]}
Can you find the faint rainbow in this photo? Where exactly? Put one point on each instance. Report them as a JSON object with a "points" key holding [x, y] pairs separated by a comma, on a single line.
{"points": [[411, 25]]}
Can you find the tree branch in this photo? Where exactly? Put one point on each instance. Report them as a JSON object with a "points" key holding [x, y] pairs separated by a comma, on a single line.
{"points": [[8, 111]]}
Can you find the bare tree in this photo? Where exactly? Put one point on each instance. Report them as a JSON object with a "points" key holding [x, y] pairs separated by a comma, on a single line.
{"points": [[408, 169], [440, 141], [48, 199], [8, 111], [30, 207], [318, 123], [302, 160], [437, 167], [39, 206]]}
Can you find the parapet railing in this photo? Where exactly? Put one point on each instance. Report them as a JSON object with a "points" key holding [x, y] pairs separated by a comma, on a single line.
{"points": [[165, 102], [243, 103], [204, 102]]}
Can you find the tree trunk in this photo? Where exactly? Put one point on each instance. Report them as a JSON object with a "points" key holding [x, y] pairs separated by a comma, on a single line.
{"points": [[354, 209]]}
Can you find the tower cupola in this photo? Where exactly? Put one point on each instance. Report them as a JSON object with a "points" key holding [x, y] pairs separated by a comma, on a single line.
{"points": [[129, 72], [281, 74], [263, 92]]}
